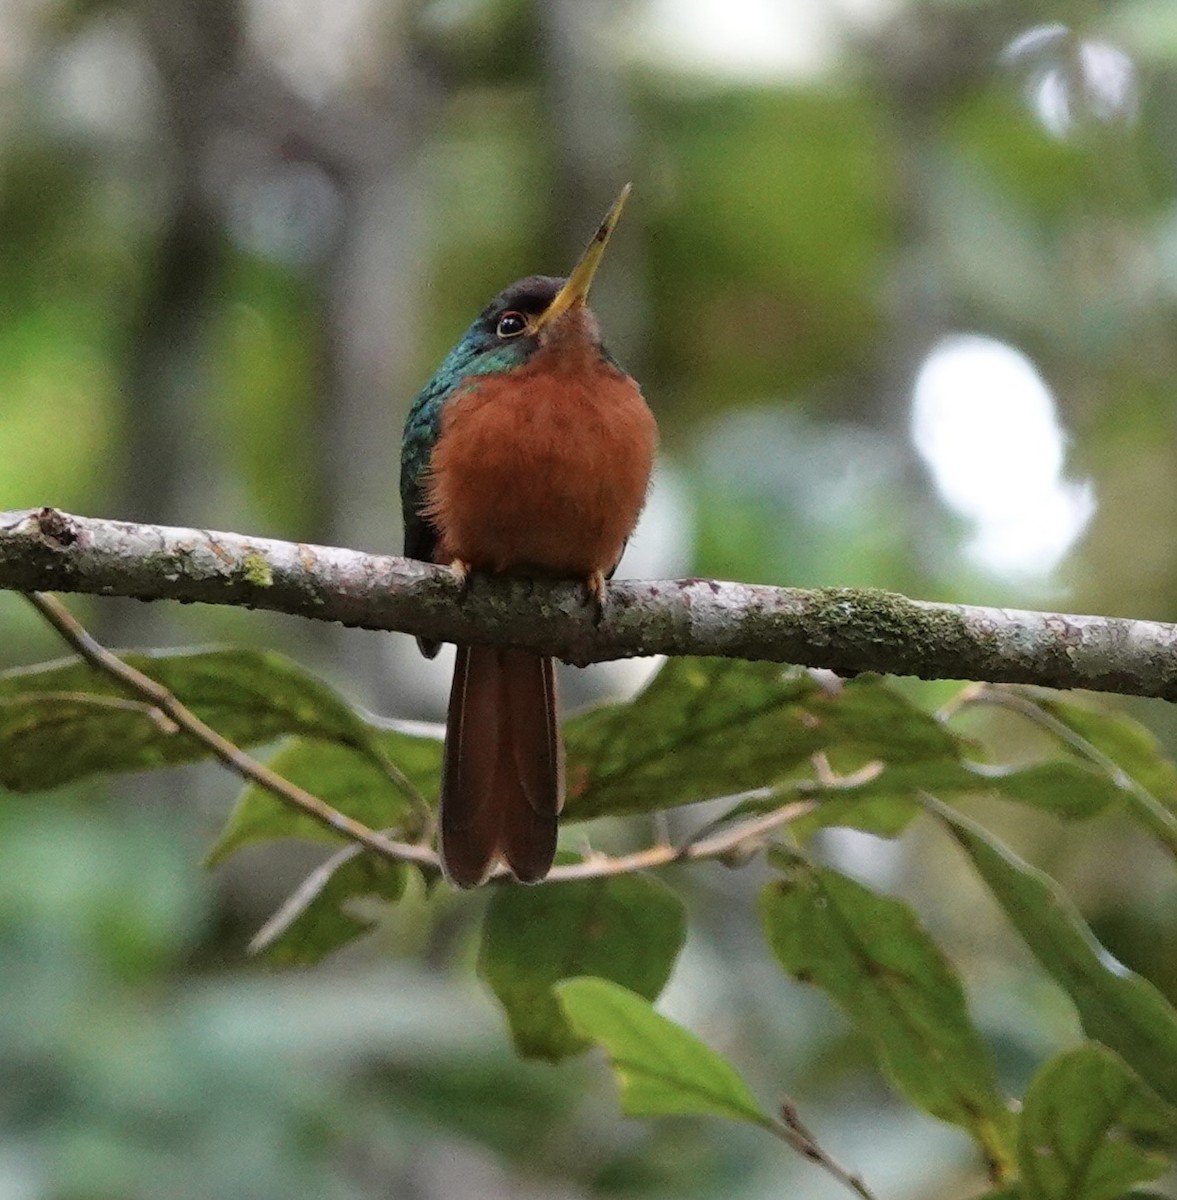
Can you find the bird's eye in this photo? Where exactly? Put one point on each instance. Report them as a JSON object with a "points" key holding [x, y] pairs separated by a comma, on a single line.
{"points": [[511, 324]]}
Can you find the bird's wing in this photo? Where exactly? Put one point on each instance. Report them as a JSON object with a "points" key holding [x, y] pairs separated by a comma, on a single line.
{"points": [[422, 427]]}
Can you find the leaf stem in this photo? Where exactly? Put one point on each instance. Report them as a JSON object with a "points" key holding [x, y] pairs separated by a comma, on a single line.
{"points": [[301, 898], [153, 714], [793, 1133], [1153, 813]]}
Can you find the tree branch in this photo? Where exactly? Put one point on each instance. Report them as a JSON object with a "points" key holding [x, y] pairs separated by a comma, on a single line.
{"points": [[846, 630]]}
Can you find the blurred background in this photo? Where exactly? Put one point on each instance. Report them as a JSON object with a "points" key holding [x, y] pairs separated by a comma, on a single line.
{"points": [[899, 279]]}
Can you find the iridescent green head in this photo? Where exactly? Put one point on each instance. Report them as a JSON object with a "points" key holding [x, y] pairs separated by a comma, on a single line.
{"points": [[518, 320]]}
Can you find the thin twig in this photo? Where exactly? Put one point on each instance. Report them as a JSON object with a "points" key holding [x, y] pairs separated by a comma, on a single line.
{"points": [[967, 695], [825, 780], [594, 866], [301, 898], [136, 683], [791, 1131], [734, 801], [722, 846], [159, 697]]}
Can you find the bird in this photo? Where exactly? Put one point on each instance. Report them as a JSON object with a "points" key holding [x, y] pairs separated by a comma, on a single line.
{"points": [[529, 452]]}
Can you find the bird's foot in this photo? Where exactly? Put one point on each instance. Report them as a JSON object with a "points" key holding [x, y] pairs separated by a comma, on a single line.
{"points": [[461, 572], [596, 589]]}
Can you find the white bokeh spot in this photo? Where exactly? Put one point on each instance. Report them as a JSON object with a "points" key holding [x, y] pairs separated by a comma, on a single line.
{"points": [[987, 427], [1072, 79]]}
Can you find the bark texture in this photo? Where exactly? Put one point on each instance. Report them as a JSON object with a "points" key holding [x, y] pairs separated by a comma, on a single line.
{"points": [[847, 630]]}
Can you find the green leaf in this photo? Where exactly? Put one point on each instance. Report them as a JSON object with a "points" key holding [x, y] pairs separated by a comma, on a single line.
{"points": [[330, 909], [710, 727], [1130, 748], [1064, 787], [628, 929], [702, 728], [1115, 1006], [66, 721], [874, 717], [874, 958], [356, 784], [886, 804], [1091, 1128], [885, 812], [661, 1069], [887, 799]]}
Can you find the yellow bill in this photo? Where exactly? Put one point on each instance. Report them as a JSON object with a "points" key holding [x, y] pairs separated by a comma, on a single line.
{"points": [[576, 287]]}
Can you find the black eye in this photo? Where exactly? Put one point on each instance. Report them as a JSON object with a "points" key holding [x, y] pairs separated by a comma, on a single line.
{"points": [[511, 324]]}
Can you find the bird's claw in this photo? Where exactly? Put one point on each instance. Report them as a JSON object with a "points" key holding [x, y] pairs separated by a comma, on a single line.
{"points": [[461, 572], [596, 589]]}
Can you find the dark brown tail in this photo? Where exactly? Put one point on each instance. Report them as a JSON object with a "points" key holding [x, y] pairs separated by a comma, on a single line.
{"points": [[503, 782]]}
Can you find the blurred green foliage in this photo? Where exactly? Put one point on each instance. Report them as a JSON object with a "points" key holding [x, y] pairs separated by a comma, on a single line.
{"points": [[801, 237], [869, 952]]}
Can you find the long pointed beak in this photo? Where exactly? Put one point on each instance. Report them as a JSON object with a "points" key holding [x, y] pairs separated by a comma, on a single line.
{"points": [[576, 287]]}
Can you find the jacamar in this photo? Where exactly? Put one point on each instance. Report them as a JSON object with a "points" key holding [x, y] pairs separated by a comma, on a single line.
{"points": [[529, 452]]}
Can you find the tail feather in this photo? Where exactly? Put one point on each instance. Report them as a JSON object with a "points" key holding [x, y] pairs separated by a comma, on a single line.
{"points": [[503, 782], [468, 821], [532, 741]]}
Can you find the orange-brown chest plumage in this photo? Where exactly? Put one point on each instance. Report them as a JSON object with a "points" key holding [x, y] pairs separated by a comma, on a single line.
{"points": [[543, 469], [529, 451]]}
